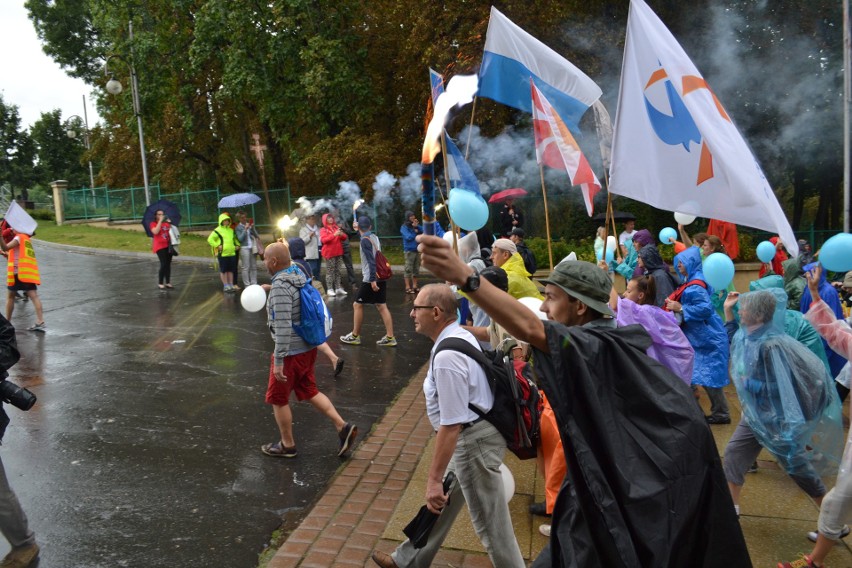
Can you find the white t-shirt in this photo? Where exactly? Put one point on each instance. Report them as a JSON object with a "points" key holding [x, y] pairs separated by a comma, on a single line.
{"points": [[625, 236], [457, 381]]}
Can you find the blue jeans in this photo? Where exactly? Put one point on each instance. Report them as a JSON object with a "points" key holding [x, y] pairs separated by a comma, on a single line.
{"points": [[476, 463]]}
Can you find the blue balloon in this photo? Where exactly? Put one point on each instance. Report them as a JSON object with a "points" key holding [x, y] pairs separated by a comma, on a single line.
{"points": [[668, 236], [718, 270], [836, 253], [765, 251], [468, 209]]}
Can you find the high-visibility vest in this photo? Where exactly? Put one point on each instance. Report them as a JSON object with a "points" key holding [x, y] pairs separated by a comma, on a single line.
{"points": [[27, 265]]}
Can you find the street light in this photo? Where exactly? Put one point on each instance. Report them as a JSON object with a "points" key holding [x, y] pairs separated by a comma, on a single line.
{"points": [[71, 133], [114, 87]]}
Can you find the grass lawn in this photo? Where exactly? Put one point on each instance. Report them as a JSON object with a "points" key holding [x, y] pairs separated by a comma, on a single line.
{"points": [[137, 241]]}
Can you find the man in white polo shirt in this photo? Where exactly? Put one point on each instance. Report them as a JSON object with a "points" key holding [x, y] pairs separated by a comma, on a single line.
{"points": [[468, 446]]}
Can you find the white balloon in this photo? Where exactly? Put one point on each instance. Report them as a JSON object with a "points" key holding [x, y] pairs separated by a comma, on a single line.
{"points": [[684, 218], [534, 304], [253, 298], [508, 482]]}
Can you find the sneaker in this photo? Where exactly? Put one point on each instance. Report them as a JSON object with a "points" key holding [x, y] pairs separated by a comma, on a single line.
{"points": [[340, 292], [539, 509], [812, 536], [331, 293], [803, 562], [235, 288], [20, 557], [351, 339], [387, 341], [545, 530], [717, 420], [347, 436], [227, 288], [752, 468], [37, 327]]}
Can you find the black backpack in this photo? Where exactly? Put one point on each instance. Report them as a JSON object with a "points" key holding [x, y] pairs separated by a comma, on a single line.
{"points": [[517, 403]]}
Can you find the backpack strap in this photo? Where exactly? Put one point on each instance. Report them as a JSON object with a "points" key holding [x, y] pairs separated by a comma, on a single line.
{"points": [[465, 348], [676, 295]]}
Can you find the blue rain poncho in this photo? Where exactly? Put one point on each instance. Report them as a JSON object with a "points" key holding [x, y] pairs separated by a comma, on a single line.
{"points": [[702, 325], [628, 264], [787, 396], [795, 324]]}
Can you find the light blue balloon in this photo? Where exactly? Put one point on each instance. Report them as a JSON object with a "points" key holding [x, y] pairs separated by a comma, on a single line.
{"points": [[718, 270], [668, 236], [765, 251], [836, 253], [610, 255], [468, 209]]}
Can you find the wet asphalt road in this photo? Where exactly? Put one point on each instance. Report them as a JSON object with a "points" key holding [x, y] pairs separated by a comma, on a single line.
{"points": [[143, 449]]}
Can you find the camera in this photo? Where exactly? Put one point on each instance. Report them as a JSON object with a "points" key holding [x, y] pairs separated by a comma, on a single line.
{"points": [[16, 395]]}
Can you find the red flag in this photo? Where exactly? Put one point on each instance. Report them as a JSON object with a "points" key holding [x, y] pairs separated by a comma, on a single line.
{"points": [[555, 147]]}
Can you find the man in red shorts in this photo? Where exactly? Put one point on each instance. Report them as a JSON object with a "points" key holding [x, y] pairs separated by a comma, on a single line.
{"points": [[292, 367]]}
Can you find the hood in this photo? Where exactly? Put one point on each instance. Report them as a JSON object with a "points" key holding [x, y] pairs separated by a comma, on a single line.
{"points": [[468, 247], [767, 283], [224, 216], [792, 269], [691, 259], [408, 215], [297, 248], [643, 237], [515, 265], [292, 275], [651, 258], [823, 279], [328, 220]]}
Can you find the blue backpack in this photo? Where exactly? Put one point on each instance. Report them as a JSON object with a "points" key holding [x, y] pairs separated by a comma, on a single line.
{"points": [[315, 326]]}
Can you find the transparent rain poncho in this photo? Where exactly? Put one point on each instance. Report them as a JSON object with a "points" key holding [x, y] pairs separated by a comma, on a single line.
{"points": [[787, 396]]}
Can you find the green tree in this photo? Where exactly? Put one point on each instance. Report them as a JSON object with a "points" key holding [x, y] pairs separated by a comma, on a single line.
{"points": [[17, 151], [58, 156]]}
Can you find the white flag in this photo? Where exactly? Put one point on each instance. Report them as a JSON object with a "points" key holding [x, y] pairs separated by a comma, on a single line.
{"points": [[674, 145]]}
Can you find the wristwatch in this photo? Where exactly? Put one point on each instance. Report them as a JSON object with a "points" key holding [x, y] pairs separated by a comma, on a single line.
{"points": [[471, 284]]}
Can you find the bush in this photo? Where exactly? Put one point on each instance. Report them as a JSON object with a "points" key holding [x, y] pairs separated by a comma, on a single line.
{"points": [[584, 249], [42, 214]]}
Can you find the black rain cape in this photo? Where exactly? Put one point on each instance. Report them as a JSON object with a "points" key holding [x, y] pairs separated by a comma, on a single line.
{"points": [[645, 485]]}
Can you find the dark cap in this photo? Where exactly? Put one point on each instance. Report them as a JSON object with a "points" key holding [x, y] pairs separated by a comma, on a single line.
{"points": [[517, 231], [497, 276], [584, 281], [364, 222]]}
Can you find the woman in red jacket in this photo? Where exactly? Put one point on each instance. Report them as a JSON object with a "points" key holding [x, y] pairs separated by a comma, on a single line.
{"points": [[160, 246], [332, 238]]}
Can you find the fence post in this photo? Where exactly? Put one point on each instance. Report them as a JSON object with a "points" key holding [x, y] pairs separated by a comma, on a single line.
{"points": [[59, 186]]}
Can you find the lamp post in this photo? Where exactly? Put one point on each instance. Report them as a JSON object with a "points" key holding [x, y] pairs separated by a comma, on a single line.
{"points": [[71, 133], [114, 87]]}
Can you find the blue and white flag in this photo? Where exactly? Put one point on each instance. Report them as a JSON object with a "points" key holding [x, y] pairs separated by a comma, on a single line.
{"points": [[460, 173], [512, 57]]}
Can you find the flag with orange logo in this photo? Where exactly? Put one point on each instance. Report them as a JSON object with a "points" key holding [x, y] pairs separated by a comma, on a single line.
{"points": [[555, 147], [674, 145]]}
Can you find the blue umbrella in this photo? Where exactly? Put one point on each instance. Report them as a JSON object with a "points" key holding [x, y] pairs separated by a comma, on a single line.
{"points": [[238, 200], [170, 209]]}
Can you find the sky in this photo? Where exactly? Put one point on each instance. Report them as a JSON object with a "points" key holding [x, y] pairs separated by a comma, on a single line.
{"points": [[30, 79]]}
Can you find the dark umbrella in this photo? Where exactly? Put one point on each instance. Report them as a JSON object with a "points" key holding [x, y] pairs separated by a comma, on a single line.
{"points": [[170, 209], [502, 196], [617, 215], [421, 525]]}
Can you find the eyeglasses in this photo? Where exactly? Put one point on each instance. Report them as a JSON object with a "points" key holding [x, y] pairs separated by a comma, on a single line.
{"points": [[414, 308]]}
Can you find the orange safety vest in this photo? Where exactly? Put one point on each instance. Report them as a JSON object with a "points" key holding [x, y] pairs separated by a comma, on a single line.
{"points": [[27, 265]]}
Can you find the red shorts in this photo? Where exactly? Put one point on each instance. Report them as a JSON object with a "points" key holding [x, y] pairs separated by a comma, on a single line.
{"points": [[299, 370]]}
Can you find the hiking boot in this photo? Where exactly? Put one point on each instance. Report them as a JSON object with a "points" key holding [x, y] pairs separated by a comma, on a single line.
{"points": [[20, 557], [812, 536], [347, 437], [351, 339], [37, 327], [387, 341], [803, 562]]}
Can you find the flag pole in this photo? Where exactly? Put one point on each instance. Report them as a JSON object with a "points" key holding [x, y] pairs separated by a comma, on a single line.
{"points": [[447, 183], [470, 128], [546, 217]]}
